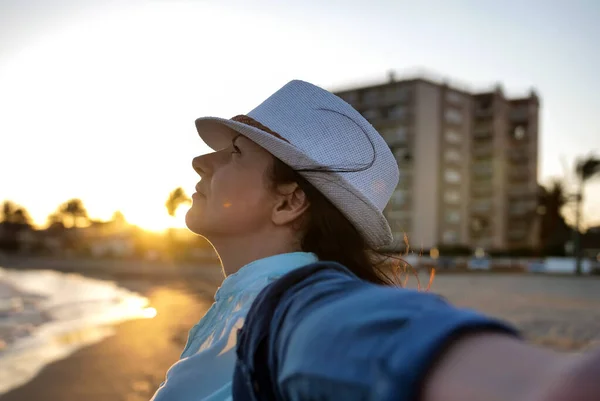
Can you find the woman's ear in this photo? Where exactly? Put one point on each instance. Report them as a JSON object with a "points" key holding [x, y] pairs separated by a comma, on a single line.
{"points": [[290, 205]]}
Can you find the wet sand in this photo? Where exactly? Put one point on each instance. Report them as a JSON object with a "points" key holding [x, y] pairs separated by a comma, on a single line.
{"points": [[130, 365], [558, 312]]}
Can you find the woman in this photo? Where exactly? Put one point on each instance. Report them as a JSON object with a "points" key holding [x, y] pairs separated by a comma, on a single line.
{"points": [[298, 183]]}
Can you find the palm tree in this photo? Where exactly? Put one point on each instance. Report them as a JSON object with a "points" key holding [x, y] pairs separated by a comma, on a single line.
{"points": [[13, 213], [118, 218], [21, 217], [554, 231], [176, 198], [8, 208], [585, 170], [74, 210]]}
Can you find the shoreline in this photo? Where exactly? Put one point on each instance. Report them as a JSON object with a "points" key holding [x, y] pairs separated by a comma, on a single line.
{"points": [[119, 269], [130, 364]]}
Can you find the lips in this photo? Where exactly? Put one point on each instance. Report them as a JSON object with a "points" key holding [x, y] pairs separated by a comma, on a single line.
{"points": [[199, 190]]}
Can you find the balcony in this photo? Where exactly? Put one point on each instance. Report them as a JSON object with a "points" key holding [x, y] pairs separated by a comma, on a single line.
{"points": [[481, 206], [517, 234], [397, 113], [483, 151], [519, 114], [453, 116], [482, 190], [486, 112], [396, 136], [518, 156], [482, 133], [396, 95], [372, 115], [371, 97], [482, 170], [520, 191], [520, 208], [519, 174], [352, 98]]}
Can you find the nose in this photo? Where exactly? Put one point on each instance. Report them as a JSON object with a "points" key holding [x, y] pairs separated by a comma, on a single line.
{"points": [[201, 165]]}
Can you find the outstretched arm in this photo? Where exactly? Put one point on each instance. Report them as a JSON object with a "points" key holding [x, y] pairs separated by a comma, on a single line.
{"points": [[495, 367], [332, 336]]}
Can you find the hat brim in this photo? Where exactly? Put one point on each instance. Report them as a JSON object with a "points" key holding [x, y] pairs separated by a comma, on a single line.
{"points": [[217, 133]]}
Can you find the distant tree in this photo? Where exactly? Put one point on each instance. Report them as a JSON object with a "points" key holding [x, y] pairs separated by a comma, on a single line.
{"points": [[588, 168], [176, 198], [14, 219], [8, 208], [13, 213], [55, 219], [118, 218], [554, 231], [73, 211], [21, 216], [585, 169]]}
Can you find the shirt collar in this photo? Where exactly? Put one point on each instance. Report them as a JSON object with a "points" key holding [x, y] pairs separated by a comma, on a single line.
{"points": [[262, 271]]}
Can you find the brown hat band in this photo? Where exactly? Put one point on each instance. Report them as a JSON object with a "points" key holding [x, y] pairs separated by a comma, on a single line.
{"points": [[244, 119]]}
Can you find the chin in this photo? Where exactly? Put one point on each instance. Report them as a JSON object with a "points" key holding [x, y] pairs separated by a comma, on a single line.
{"points": [[193, 221]]}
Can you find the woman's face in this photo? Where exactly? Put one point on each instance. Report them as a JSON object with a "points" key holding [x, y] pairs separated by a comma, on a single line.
{"points": [[233, 197]]}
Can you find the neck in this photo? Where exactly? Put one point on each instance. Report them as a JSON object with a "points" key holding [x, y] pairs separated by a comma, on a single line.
{"points": [[237, 252]]}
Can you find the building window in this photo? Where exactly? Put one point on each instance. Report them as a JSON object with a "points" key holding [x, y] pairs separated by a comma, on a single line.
{"points": [[517, 234], [452, 176], [452, 197], [519, 132], [397, 112], [454, 97], [397, 94], [371, 96], [452, 136], [450, 237], [482, 206], [399, 215], [350, 97], [395, 136], [371, 114], [453, 116], [398, 197], [452, 216], [519, 113], [452, 155], [402, 155], [402, 177], [482, 188], [482, 168]]}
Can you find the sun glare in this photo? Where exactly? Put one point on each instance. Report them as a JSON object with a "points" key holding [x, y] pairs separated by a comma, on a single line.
{"points": [[158, 222]]}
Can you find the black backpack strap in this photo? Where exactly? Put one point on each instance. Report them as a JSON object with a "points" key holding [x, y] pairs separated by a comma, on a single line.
{"points": [[251, 373]]}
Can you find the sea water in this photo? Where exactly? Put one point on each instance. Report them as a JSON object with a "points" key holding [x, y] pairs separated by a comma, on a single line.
{"points": [[46, 315]]}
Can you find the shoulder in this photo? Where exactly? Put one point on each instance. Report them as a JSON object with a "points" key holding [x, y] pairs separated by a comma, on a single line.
{"points": [[324, 325]]}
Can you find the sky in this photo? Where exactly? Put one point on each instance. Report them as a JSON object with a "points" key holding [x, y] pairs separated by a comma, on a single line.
{"points": [[98, 98]]}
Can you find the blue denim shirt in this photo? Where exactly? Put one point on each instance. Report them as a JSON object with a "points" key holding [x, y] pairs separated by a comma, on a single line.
{"points": [[321, 333], [205, 370]]}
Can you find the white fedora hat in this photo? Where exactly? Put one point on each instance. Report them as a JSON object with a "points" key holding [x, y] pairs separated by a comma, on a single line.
{"points": [[311, 129]]}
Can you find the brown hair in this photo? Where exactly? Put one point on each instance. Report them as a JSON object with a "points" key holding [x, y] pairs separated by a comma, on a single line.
{"points": [[329, 234]]}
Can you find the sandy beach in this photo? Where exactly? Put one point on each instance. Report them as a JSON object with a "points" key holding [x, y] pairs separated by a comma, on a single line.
{"points": [[130, 365], [558, 312]]}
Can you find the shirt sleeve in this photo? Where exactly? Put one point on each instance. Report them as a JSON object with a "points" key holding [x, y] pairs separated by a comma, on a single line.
{"points": [[334, 337]]}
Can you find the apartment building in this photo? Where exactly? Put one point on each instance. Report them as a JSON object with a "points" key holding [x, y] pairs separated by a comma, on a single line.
{"points": [[468, 163]]}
